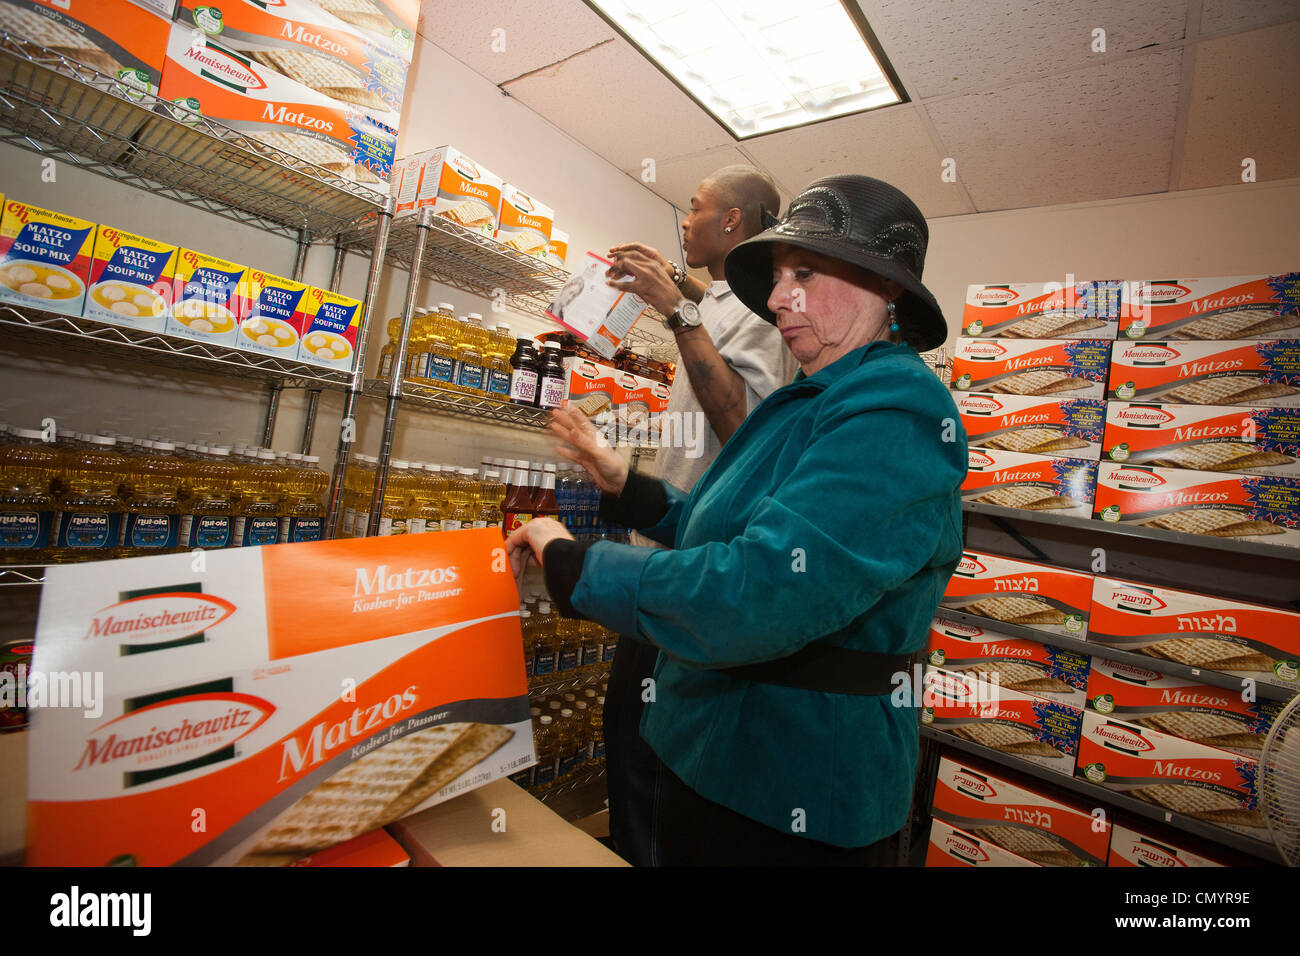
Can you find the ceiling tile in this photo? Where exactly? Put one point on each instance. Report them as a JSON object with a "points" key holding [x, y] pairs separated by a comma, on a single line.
{"points": [[1243, 104], [1220, 15], [940, 47], [613, 101], [890, 144], [675, 179], [535, 33], [1097, 133]]}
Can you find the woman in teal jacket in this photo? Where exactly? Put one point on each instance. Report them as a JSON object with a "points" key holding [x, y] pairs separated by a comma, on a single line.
{"points": [[805, 564]]}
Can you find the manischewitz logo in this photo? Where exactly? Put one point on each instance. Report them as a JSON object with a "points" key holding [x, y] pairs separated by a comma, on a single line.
{"points": [[963, 848], [157, 618], [949, 685], [973, 786], [1149, 354], [979, 405], [1153, 854], [1143, 416], [983, 350], [1115, 737], [465, 169], [962, 630], [1136, 600], [224, 67], [978, 461], [970, 566], [1129, 673], [1135, 480], [1162, 293], [174, 731], [996, 295]]}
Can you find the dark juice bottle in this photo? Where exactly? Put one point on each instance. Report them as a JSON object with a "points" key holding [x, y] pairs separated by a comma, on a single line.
{"points": [[553, 383], [524, 375]]}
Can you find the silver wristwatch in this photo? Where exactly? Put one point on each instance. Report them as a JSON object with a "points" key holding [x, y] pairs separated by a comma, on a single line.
{"points": [[685, 316]]}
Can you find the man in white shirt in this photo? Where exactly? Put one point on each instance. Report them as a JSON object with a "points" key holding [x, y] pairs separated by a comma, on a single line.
{"points": [[730, 360]]}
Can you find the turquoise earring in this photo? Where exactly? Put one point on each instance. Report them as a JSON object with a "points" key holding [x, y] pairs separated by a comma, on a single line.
{"points": [[893, 322]]}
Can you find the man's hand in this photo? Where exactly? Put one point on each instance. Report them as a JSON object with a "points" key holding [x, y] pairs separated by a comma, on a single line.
{"points": [[652, 277], [530, 540], [585, 446]]}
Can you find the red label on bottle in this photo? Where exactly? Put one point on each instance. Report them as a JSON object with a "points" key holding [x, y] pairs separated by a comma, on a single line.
{"points": [[516, 519]]}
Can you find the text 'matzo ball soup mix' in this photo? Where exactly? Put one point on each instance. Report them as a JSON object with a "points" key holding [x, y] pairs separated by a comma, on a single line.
{"points": [[131, 280], [44, 258], [277, 314], [333, 325], [211, 298]]}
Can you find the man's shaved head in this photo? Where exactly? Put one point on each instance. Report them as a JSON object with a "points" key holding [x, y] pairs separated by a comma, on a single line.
{"points": [[745, 188]]}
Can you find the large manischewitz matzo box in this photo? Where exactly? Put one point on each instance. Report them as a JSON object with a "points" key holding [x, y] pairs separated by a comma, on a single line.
{"points": [[1263, 508], [1246, 640], [1042, 310], [1229, 719], [1015, 663], [390, 22], [1028, 818], [950, 846], [1207, 373], [1049, 599], [1232, 307], [453, 185], [1048, 367], [1010, 479], [1259, 441], [1032, 728], [288, 698], [1062, 428], [1204, 783], [524, 223]]}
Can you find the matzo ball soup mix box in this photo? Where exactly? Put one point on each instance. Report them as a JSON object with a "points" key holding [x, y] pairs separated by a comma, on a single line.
{"points": [[44, 258]]}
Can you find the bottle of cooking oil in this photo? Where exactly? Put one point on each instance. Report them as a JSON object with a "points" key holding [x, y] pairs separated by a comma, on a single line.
{"points": [[416, 344], [544, 645], [303, 513], [526, 628], [569, 646], [591, 645], [545, 745], [499, 370], [28, 465], [257, 519], [365, 491], [427, 512], [470, 370], [396, 514], [460, 502], [389, 350], [582, 719], [207, 516], [151, 524], [566, 746], [90, 519], [598, 733], [440, 367], [490, 497]]}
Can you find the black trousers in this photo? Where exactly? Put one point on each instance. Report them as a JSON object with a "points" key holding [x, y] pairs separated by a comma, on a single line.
{"points": [[657, 820]]}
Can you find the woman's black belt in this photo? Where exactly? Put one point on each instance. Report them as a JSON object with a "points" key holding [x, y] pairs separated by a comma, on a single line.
{"points": [[833, 670]]}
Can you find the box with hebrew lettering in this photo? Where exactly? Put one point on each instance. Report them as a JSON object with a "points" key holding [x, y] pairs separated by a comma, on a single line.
{"points": [[288, 698]]}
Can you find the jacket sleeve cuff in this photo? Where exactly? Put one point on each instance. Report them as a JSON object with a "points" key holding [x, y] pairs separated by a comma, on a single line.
{"points": [[611, 578], [562, 563], [643, 503]]}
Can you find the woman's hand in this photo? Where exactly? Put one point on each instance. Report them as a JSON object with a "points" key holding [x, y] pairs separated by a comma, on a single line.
{"points": [[585, 446], [530, 540]]}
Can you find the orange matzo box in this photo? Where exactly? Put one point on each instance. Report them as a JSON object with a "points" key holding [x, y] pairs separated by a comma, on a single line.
{"points": [[1050, 367], [331, 329], [557, 250], [1030, 482], [205, 78], [1063, 428], [124, 39], [1260, 441], [1231, 637], [298, 39], [131, 280], [950, 846], [1133, 847], [277, 315], [1260, 508], [455, 186], [44, 258], [523, 223], [1026, 818], [209, 298], [1042, 310], [1019, 664], [1207, 373], [1046, 598], [221, 691], [1032, 728], [1184, 708], [1204, 783], [1232, 307], [390, 22]]}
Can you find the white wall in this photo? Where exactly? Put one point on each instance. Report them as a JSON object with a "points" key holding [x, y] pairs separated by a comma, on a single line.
{"points": [[446, 103], [1233, 230]]}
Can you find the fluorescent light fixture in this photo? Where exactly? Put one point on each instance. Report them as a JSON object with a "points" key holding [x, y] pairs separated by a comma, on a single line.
{"points": [[758, 66]]}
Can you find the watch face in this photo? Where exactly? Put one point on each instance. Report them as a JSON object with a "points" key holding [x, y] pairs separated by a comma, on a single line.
{"points": [[690, 313]]}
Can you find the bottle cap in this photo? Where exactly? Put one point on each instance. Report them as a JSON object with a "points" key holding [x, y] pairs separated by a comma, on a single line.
{"points": [[565, 712], [544, 607], [311, 459], [580, 706], [33, 433], [545, 719], [525, 613], [104, 441], [474, 316], [219, 451], [266, 456], [494, 475], [401, 463], [549, 466], [446, 307], [165, 447]]}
